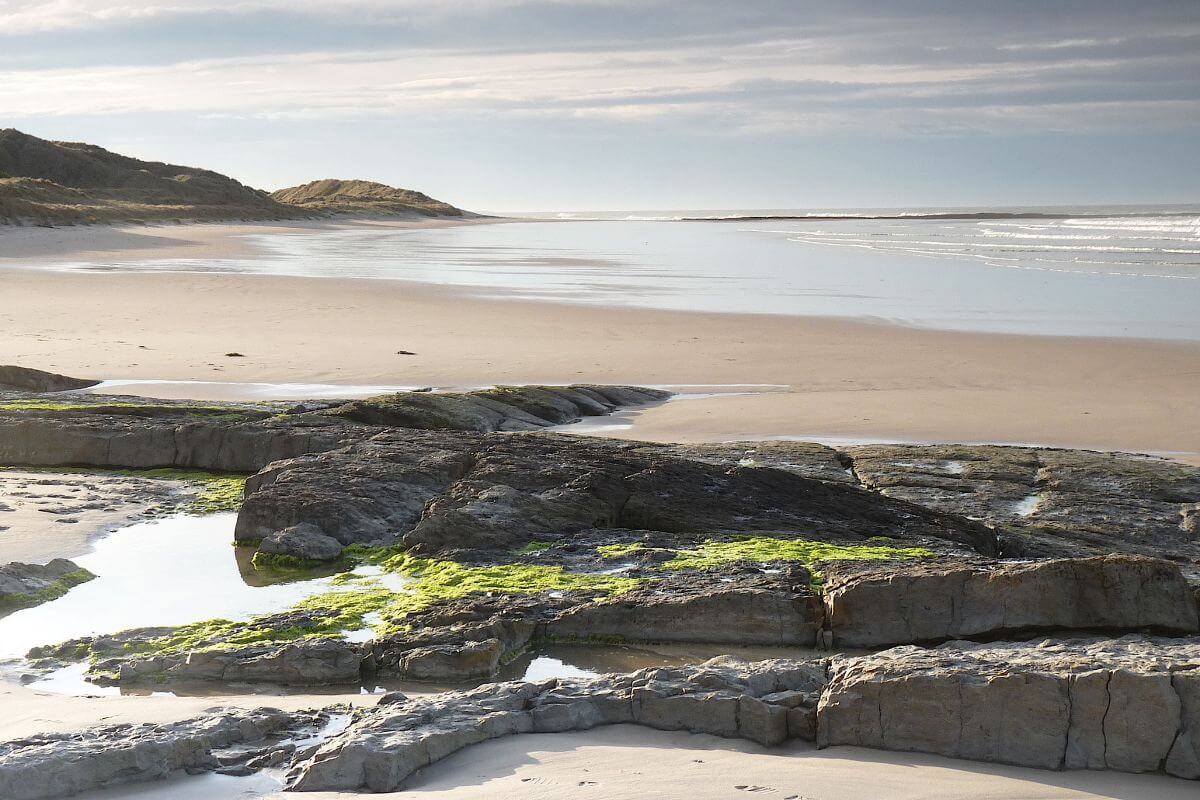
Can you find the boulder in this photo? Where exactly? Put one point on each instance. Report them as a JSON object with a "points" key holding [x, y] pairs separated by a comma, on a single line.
{"points": [[1124, 704], [916, 602], [303, 541]]}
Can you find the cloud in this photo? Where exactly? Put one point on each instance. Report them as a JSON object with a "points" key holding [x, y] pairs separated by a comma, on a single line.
{"points": [[766, 66]]}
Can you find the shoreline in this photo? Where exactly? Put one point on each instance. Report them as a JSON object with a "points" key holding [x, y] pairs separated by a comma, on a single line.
{"points": [[43, 245], [845, 378]]}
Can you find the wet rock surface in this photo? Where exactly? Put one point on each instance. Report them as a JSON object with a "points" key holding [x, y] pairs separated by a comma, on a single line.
{"points": [[722, 697], [52, 766], [1047, 502], [1128, 704], [304, 541]]}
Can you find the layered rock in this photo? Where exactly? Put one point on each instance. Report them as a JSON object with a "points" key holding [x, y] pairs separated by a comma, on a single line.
{"points": [[312, 662], [765, 702], [1127, 704], [691, 610], [916, 602], [505, 408], [151, 435], [52, 766]]}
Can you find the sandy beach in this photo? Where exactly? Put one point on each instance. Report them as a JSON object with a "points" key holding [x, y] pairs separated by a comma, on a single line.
{"points": [[834, 379], [744, 377]]}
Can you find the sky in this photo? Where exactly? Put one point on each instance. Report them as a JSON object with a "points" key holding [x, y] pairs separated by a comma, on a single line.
{"points": [[509, 105]]}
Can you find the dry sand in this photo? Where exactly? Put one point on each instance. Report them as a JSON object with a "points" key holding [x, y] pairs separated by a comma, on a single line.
{"points": [[843, 379], [624, 761]]}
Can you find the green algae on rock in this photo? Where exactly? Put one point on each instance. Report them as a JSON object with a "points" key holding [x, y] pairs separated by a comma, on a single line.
{"points": [[52, 590], [436, 579], [621, 550], [765, 549]]}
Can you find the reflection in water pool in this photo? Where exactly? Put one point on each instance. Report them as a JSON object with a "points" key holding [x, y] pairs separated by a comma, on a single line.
{"points": [[209, 786], [164, 572]]}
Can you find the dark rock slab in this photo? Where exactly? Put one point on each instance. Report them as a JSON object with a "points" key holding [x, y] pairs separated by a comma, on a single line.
{"points": [[1048, 502], [444, 491], [504, 408]]}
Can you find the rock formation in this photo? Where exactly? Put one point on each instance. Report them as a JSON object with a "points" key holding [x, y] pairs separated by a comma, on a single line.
{"points": [[53, 766], [765, 702], [780, 543], [1129, 704], [917, 602], [26, 379], [24, 585]]}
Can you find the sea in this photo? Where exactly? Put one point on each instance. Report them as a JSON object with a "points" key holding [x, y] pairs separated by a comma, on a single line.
{"points": [[1128, 272]]}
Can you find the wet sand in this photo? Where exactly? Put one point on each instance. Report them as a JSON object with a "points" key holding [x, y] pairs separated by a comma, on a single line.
{"points": [[843, 379], [47, 515]]}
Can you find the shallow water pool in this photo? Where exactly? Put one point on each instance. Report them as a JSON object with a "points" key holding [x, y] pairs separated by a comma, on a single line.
{"points": [[168, 571]]}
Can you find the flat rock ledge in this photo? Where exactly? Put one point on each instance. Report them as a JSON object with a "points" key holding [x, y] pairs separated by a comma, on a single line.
{"points": [[232, 741], [1130, 704], [766, 702], [923, 603]]}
